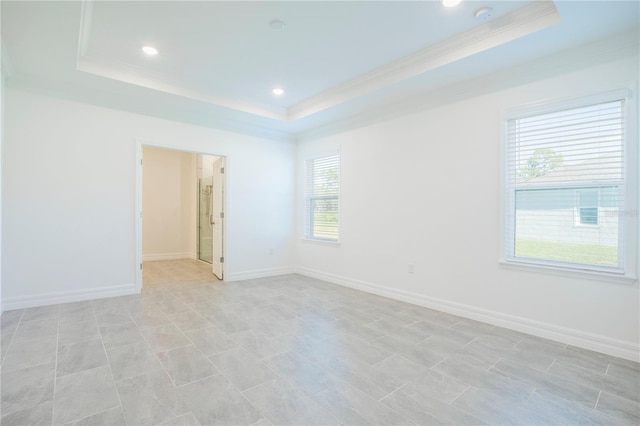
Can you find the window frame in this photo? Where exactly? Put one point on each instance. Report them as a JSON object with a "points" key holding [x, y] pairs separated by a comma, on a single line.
{"points": [[628, 236], [309, 199]]}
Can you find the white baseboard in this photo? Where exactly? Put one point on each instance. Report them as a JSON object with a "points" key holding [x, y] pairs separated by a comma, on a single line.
{"points": [[259, 273], [68, 296], [167, 256], [549, 331]]}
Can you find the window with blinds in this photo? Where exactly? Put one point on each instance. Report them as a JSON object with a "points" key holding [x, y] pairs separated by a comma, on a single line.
{"points": [[322, 198], [565, 187]]}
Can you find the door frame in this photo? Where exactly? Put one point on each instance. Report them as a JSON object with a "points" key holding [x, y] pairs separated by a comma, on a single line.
{"points": [[140, 144], [218, 180]]}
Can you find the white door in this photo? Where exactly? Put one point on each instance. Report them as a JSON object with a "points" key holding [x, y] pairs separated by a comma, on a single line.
{"points": [[217, 217]]}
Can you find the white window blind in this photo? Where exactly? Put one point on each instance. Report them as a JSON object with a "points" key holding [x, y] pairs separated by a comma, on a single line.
{"points": [[565, 187], [322, 198]]}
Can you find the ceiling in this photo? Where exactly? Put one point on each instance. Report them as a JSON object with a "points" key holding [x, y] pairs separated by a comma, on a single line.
{"points": [[218, 61]]}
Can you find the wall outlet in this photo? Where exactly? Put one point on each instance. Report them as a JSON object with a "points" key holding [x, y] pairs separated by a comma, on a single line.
{"points": [[410, 268], [271, 251]]}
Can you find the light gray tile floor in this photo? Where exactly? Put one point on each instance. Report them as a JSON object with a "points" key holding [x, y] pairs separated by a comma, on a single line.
{"points": [[291, 350]]}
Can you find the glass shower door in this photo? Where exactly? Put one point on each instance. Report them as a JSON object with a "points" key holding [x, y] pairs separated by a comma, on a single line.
{"points": [[205, 237]]}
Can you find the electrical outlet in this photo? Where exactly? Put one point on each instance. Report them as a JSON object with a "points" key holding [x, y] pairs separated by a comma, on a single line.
{"points": [[271, 251], [410, 268]]}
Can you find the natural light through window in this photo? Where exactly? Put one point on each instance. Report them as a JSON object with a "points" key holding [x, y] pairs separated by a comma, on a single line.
{"points": [[322, 198], [565, 187]]}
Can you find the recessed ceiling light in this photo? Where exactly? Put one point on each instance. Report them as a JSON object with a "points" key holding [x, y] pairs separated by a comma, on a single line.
{"points": [[151, 51], [484, 14], [276, 24], [278, 91], [450, 3]]}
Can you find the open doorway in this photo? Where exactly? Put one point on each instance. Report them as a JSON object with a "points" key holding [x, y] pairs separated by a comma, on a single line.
{"points": [[180, 211]]}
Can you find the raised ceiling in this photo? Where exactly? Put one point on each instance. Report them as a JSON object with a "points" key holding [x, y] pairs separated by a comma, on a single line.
{"points": [[218, 61]]}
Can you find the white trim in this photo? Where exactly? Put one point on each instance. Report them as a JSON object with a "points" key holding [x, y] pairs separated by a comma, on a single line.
{"points": [[595, 342], [308, 184], [546, 106], [570, 60], [134, 75], [57, 297], [128, 73], [320, 242], [138, 215], [166, 256], [627, 269], [591, 274], [519, 23], [84, 34], [260, 273]]}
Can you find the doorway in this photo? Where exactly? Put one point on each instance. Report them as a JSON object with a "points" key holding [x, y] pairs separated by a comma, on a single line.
{"points": [[211, 212], [205, 219], [200, 201]]}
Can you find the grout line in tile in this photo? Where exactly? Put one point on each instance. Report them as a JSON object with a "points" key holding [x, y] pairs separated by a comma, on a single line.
{"points": [[528, 397], [172, 291], [597, 400], [173, 418], [549, 368], [470, 341], [9, 347], [494, 364], [458, 396], [436, 364], [260, 384], [90, 415], [455, 323], [109, 365], [392, 392], [55, 374]]}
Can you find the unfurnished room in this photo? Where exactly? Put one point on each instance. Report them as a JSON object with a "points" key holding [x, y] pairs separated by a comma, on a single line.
{"points": [[319, 212]]}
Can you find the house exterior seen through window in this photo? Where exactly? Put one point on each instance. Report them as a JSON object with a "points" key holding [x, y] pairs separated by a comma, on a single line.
{"points": [[587, 207], [565, 187]]}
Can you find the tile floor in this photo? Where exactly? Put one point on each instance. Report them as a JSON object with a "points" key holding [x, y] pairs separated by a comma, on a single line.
{"points": [[291, 351]]}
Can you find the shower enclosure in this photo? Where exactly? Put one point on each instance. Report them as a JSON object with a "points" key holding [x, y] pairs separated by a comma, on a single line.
{"points": [[205, 219]]}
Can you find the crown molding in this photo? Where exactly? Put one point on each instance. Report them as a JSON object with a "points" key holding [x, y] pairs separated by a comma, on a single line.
{"points": [[528, 19], [86, 20], [521, 22], [617, 47], [211, 116], [132, 74]]}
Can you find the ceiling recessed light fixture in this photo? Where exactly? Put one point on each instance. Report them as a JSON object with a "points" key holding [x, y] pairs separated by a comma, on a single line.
{"points": [[450, 3], [149, 50], [278, 91], [484, 14], [277, 24]]}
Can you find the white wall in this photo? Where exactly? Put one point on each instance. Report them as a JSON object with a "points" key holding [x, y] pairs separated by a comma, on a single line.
{"points": [[169, 204], [69, 198], [425, 189], [1, 161]]}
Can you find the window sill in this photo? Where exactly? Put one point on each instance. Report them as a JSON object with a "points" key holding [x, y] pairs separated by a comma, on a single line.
{"points": [[321, 242], [609, 277]]}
